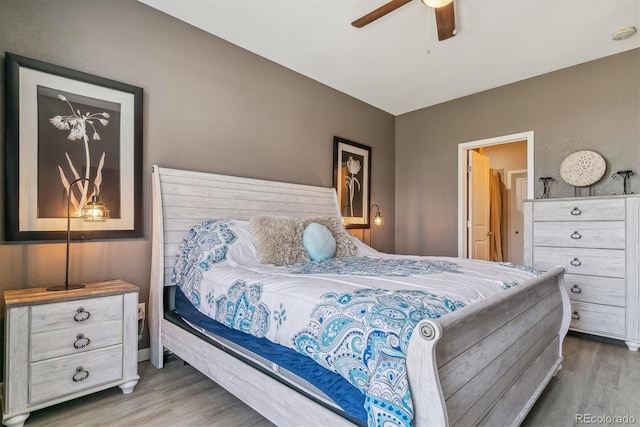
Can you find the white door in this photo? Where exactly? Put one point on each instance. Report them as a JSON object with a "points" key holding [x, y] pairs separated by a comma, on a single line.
{"points": [[517, 195], [478, 205]]}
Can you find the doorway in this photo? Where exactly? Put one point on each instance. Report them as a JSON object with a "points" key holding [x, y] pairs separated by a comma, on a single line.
{"points": [[514, 180]]}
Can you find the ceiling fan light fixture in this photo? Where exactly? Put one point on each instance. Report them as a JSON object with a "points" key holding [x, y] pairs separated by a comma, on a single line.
{"points": [[436, 3]]}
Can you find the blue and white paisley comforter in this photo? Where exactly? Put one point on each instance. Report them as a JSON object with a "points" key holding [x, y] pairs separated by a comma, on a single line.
{"points": [[353, 316]]}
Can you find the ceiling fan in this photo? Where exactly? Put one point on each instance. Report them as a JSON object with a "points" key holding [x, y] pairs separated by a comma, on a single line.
{"points": [[445, 15]]}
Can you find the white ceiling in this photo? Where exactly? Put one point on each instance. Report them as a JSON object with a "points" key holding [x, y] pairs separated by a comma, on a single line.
{"points": [[396, 63]]}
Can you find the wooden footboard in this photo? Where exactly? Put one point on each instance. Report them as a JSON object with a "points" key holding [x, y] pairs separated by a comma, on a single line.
{"points": [[488, 363]]}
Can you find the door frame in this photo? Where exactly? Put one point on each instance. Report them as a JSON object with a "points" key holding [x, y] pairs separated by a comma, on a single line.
{"points": [[462, 177]]}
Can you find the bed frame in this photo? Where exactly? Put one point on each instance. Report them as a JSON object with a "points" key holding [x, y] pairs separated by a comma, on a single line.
{"points": [[484, 364]]}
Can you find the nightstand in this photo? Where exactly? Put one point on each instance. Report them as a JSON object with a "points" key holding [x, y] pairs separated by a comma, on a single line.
{"points": [[66, 344]]}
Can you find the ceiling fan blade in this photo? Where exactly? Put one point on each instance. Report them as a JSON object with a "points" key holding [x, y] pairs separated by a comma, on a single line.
{"points": [[446, 21], [379, 13]]}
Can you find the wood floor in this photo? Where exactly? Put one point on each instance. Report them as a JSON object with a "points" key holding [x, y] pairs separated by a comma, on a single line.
{"points": [[597, 378]]}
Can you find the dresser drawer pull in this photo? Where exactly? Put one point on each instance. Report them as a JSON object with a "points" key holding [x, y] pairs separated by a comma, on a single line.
{"points": [[576, 289], [575, 235], [81, 341], [575, 211], [574, 316], [80, 375], [576, 262], [81, 315]]}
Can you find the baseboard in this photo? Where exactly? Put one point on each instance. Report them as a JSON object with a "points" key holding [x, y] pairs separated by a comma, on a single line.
{"points": [[619, 342], [144, 354]]}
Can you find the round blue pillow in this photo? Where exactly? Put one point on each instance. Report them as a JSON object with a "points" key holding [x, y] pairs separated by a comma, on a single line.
{"points": [[319, 242]]}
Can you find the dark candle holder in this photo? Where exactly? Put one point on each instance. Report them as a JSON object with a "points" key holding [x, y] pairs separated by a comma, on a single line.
{"points": [[625, 175], [545, 182]]}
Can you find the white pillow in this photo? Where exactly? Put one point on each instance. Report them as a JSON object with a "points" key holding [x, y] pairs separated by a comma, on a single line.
{"points": [[209, 244], [215, 242]]}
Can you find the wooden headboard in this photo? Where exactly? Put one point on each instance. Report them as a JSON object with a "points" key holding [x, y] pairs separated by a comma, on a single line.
{"points": [[182, 198]]}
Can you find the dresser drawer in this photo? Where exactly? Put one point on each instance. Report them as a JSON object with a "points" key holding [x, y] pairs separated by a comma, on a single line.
{"points": [[580, 210], [592, 262], [597, 318], [581, 234], [63, 315], [599, 290], [54, 378], [78, 339]]}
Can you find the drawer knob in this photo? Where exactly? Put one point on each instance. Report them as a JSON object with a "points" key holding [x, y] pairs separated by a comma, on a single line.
{"points": [[576, 289], [81, 315], [80, 375], [575, 235], [576, 262], [81, 341], [575, 315], [575, 211]]}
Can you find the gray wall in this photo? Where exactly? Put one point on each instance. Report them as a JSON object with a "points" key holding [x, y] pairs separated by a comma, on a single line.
{"points": [[208, 105], [592, 106]]}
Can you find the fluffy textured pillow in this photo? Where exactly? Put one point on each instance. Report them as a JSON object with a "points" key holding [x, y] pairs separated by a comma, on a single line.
{"points": [[319, 242], [344, 244], [278, 240]]}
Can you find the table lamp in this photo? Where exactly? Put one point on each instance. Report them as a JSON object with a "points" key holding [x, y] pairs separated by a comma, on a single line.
{"points": [[93, 211]]}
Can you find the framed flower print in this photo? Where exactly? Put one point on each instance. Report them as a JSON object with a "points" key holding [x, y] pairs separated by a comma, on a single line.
{"points": [[352, 181], [66, 131]]}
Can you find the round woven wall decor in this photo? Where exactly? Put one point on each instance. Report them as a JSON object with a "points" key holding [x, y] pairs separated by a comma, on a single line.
{"points": [[582, 168]]}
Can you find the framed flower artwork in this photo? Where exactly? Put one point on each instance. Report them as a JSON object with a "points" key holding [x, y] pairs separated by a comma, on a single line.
{"points": [[66, 131], [352, 181]]}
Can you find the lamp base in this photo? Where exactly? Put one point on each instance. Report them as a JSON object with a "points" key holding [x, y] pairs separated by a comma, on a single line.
{"points": [[66, 287]]}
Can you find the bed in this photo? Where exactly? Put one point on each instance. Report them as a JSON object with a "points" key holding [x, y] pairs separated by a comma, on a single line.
{"points": [[484, 363]]}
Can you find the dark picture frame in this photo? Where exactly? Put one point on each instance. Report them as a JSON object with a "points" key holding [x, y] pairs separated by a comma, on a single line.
{"points": [[63, 124], [352, 181]]}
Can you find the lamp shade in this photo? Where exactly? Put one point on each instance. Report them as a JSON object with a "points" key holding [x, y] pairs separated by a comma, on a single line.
{"points": [[95, 211], [436, 3], [378, 219]]}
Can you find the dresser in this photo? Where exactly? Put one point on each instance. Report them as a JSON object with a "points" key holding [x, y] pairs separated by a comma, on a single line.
{"points": [[65, 344], [597, 240]]}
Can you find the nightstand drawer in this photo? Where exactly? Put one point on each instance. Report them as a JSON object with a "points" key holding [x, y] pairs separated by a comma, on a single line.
{"points": [[79, 339], [583, 234], [599, 290], [69, 314], [591, 262], [580, 210], [62, 376], [597, 318]]}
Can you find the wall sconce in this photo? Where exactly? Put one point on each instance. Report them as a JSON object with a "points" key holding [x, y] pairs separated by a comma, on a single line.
{"points": [[378, 219], [93, 211]]}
